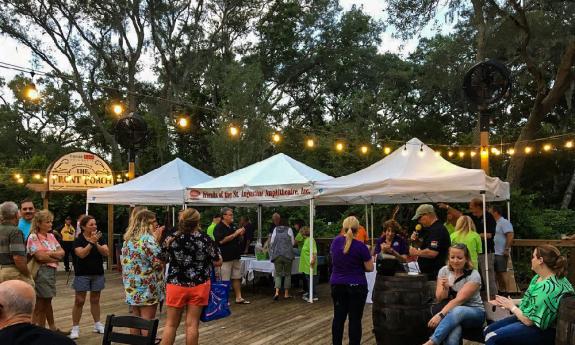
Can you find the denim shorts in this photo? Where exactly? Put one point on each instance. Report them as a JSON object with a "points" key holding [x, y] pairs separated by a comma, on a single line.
{"points": [[88, 283]]}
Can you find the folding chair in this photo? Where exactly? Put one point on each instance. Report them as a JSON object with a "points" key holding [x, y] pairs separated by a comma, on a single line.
{"points": [[110, 336]]}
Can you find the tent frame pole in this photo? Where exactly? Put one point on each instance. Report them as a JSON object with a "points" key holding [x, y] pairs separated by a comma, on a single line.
{"points": [[311, 272], [486, 254]]}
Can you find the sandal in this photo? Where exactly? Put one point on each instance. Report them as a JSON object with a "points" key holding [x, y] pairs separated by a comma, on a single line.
{"points": [[276, 297], [243, 301], [288, 297]]}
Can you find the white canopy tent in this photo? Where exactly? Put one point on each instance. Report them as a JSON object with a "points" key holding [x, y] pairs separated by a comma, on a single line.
{"points": [[413, 173], [277, 180], [165, 185]]}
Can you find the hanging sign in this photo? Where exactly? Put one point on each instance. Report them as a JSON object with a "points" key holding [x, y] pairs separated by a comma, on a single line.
{"points": [[78, 172]]}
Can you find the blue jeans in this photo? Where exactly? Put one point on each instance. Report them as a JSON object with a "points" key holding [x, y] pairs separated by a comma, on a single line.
{"points": [[511, 331], [449, 329]]}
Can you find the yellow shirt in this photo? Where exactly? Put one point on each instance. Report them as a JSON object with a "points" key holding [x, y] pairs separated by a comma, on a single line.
{"points": [[67, 233]]}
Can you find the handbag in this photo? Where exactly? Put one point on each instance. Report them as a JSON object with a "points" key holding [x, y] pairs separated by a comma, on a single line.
{"points": [[33, 267], [437, 307], [217, 307]]}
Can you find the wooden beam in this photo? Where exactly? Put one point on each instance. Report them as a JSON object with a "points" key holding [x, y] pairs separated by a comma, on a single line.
{"points": [[111, 249]]}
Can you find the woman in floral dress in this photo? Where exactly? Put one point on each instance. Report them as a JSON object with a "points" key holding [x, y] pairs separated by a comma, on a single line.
{"points": [[142, 271]]}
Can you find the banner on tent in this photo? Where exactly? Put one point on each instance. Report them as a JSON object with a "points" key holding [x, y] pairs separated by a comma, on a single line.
{"points": [[247, 194]]}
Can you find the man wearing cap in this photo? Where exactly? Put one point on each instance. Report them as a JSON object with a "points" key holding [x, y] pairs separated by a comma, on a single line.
{"points": [[435, 242]]}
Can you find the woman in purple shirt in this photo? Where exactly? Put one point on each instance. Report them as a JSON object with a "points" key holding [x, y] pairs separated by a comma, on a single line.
{"points": [[350, 260], [391, 241]]}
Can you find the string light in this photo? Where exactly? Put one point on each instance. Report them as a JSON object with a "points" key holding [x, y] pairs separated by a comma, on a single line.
{"points": [[339, 147], [569, 144], [233, 130], [118, 108], [20, 180], [17, 176], [310, 143], [404, 152], [528, 149], [511, 151], [364, 149], [472, 153], [461, 154], [45, 180], [183, 122], [547, 147], [450, 153], [37, 176], [387, 150], [276, 138]]}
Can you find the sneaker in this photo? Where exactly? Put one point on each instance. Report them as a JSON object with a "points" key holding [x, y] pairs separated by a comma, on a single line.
{"points": [[305, 296], [98, 328], [75, 332]]}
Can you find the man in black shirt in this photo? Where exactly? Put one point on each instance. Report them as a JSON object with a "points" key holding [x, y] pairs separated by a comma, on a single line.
{"points": [[16, 307], [476, 214], [435, 242], [229, 239]]}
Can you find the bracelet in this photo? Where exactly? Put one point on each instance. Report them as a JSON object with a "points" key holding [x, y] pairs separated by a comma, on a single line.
{"points": [[513, 310]]}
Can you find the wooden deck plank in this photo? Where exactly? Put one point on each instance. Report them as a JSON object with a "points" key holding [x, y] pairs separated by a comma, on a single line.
{"points": [[263, 322]]}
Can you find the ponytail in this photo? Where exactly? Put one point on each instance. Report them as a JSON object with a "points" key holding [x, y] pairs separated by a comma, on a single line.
{"points": [[348, 240], [350, 225]]}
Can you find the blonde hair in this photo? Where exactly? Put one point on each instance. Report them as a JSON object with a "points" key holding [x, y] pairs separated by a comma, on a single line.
{"points": [[465, 224], [133, 214], [40, 217], [140, 224], [304, 231], [189, 221], [350, 226]]}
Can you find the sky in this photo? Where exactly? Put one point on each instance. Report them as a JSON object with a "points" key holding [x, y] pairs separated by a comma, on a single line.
{"points": [[16, 54]]}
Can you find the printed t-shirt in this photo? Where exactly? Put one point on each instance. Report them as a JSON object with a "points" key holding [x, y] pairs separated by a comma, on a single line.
{"points": [[541, 300], [38, 242]]}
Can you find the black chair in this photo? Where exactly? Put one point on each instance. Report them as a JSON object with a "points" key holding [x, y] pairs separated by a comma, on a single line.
{"points": [[130, 322]]}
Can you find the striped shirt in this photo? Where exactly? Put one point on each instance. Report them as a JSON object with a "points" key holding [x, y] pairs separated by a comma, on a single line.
{"points": [[11, 243]]}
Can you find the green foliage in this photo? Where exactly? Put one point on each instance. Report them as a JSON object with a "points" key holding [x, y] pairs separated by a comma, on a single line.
{"points": [[532, 219]]}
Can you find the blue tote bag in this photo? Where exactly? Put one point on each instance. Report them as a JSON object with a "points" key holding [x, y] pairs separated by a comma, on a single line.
{"points": [[217, 307]]}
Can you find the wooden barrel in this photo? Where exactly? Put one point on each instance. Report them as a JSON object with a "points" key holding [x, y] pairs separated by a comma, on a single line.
{"points": [[565, 334], [401, 309]]}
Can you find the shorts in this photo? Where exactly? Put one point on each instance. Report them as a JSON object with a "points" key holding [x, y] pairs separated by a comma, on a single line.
{"points": [[231, 270], [89, 283], [179, 296], [45, 282], [500, 263]]}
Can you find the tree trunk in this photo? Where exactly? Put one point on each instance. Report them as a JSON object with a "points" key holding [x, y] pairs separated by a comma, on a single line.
{"points": [[568, 193]]}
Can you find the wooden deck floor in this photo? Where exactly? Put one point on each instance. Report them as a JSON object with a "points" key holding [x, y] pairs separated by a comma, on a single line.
{"points": [[262, 322]]}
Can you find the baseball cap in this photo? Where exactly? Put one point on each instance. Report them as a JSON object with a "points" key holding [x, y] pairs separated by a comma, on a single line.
{"points": [[423, 209]]}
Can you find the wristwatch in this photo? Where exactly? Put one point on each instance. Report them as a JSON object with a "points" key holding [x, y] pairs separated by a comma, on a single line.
{"points": [[441, 315]]}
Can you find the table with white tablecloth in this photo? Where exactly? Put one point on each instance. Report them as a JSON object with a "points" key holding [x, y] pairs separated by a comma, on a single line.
{"points": [[250, 264]]}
